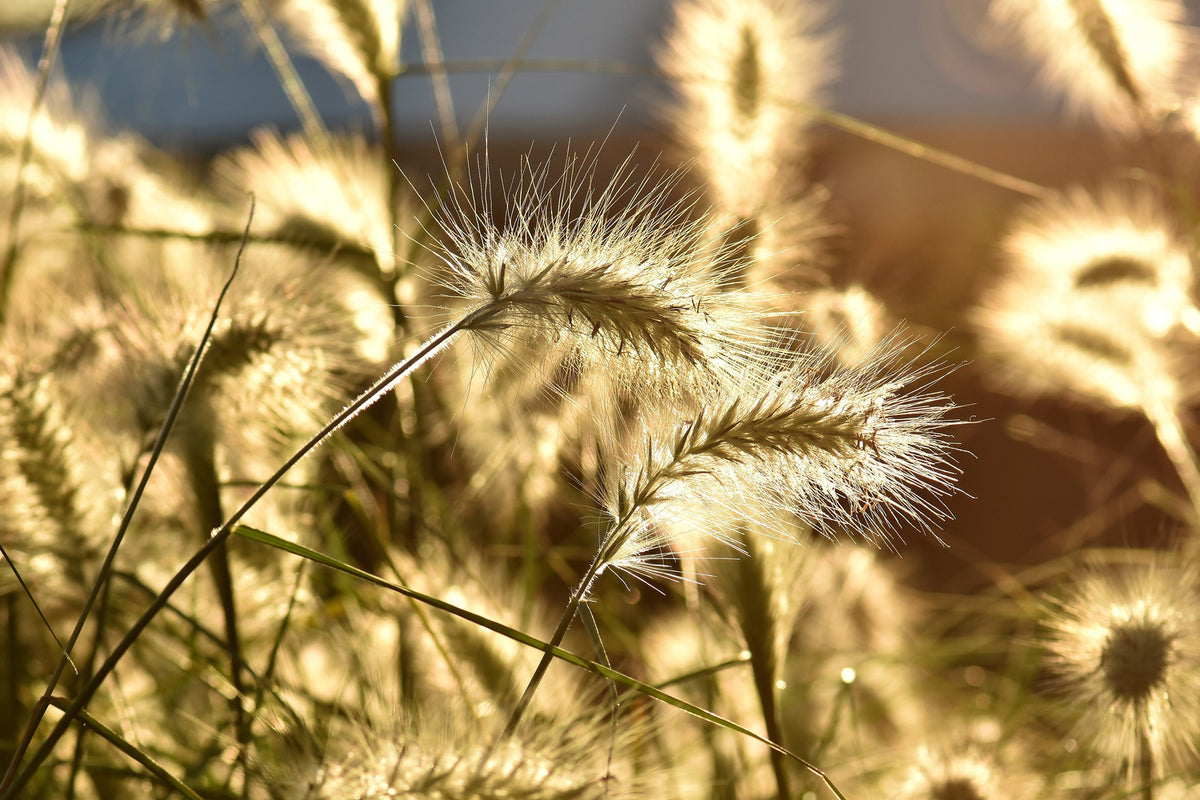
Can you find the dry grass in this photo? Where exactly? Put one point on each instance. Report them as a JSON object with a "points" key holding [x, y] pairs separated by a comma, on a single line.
{"points": [[794, 547]]}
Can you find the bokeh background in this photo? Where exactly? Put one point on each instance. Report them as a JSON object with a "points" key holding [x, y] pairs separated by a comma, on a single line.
{"points": [[1042, 476]]}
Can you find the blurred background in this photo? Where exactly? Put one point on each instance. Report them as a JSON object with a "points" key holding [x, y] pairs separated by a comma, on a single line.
{"points": [[204, 86], [1042, 476]]}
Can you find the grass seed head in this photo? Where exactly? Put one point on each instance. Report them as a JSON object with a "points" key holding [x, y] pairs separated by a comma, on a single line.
{"points": [[740, 69], [1098, 287], [860, 451], [1121, 62], [331, 199], [357, 39], [1124, 648], [610, 275]]}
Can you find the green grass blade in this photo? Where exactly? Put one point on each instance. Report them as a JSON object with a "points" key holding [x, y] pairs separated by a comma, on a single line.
{"points": [[270, 540], [130, 749]]}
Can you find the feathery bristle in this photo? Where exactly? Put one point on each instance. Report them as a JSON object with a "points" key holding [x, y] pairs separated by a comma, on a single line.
{"points": [[50, 523], [612, 272], [1124, 62], [960, 773], [1097, 284], [846, 452], [445, 754], [1116, 243]]}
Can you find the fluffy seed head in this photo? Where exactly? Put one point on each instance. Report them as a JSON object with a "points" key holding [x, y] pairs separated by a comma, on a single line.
{"points": [[852, 451], [357, 39], [1117, 243], [331, 199], [1122, 62], [946, 776], [1124, 647], [445, 754], [737, 66], [612, 273], [52, 520], [1096, 285], [60, 139]]}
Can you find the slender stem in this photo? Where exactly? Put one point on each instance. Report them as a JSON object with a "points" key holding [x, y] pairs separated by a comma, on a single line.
{"points": [[289, 79], [611, 544], [511, 64], [397, 373], [845, 122], [758, 625], [1169, 429], [200, 459], [581, 591], [1146, 765], [434, 60]]}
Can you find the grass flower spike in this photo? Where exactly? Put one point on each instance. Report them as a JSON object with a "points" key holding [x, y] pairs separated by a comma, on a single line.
{"points": [[1097, 292], [612, 273], [1122, 62], [442, 757], [846, 452], [357, 39], [1125, 647], [1116, 246], [741, 68], [335, 199]]}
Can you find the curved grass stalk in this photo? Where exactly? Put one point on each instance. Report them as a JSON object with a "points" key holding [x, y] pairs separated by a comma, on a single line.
{"points": [[1171, 436], [289, 79]]}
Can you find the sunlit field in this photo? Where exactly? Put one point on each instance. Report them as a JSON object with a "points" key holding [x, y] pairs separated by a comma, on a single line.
{"points": [[743, 449]]}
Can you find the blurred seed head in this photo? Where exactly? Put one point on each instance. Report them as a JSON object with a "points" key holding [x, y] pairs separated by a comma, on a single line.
{"points": [[448, 756], [958, 771], [55, 497], [335, 200], [1123, 645], [741, 70], [358, 40], [1125, 63], [1098, 286], [848, 323], [60, 137]]}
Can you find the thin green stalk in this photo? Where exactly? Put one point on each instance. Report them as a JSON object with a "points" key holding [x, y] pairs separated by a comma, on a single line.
{"points": [[15, 783], [129, 749], [539, 672], [525, 639], [200, 459], [758, 628]]}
